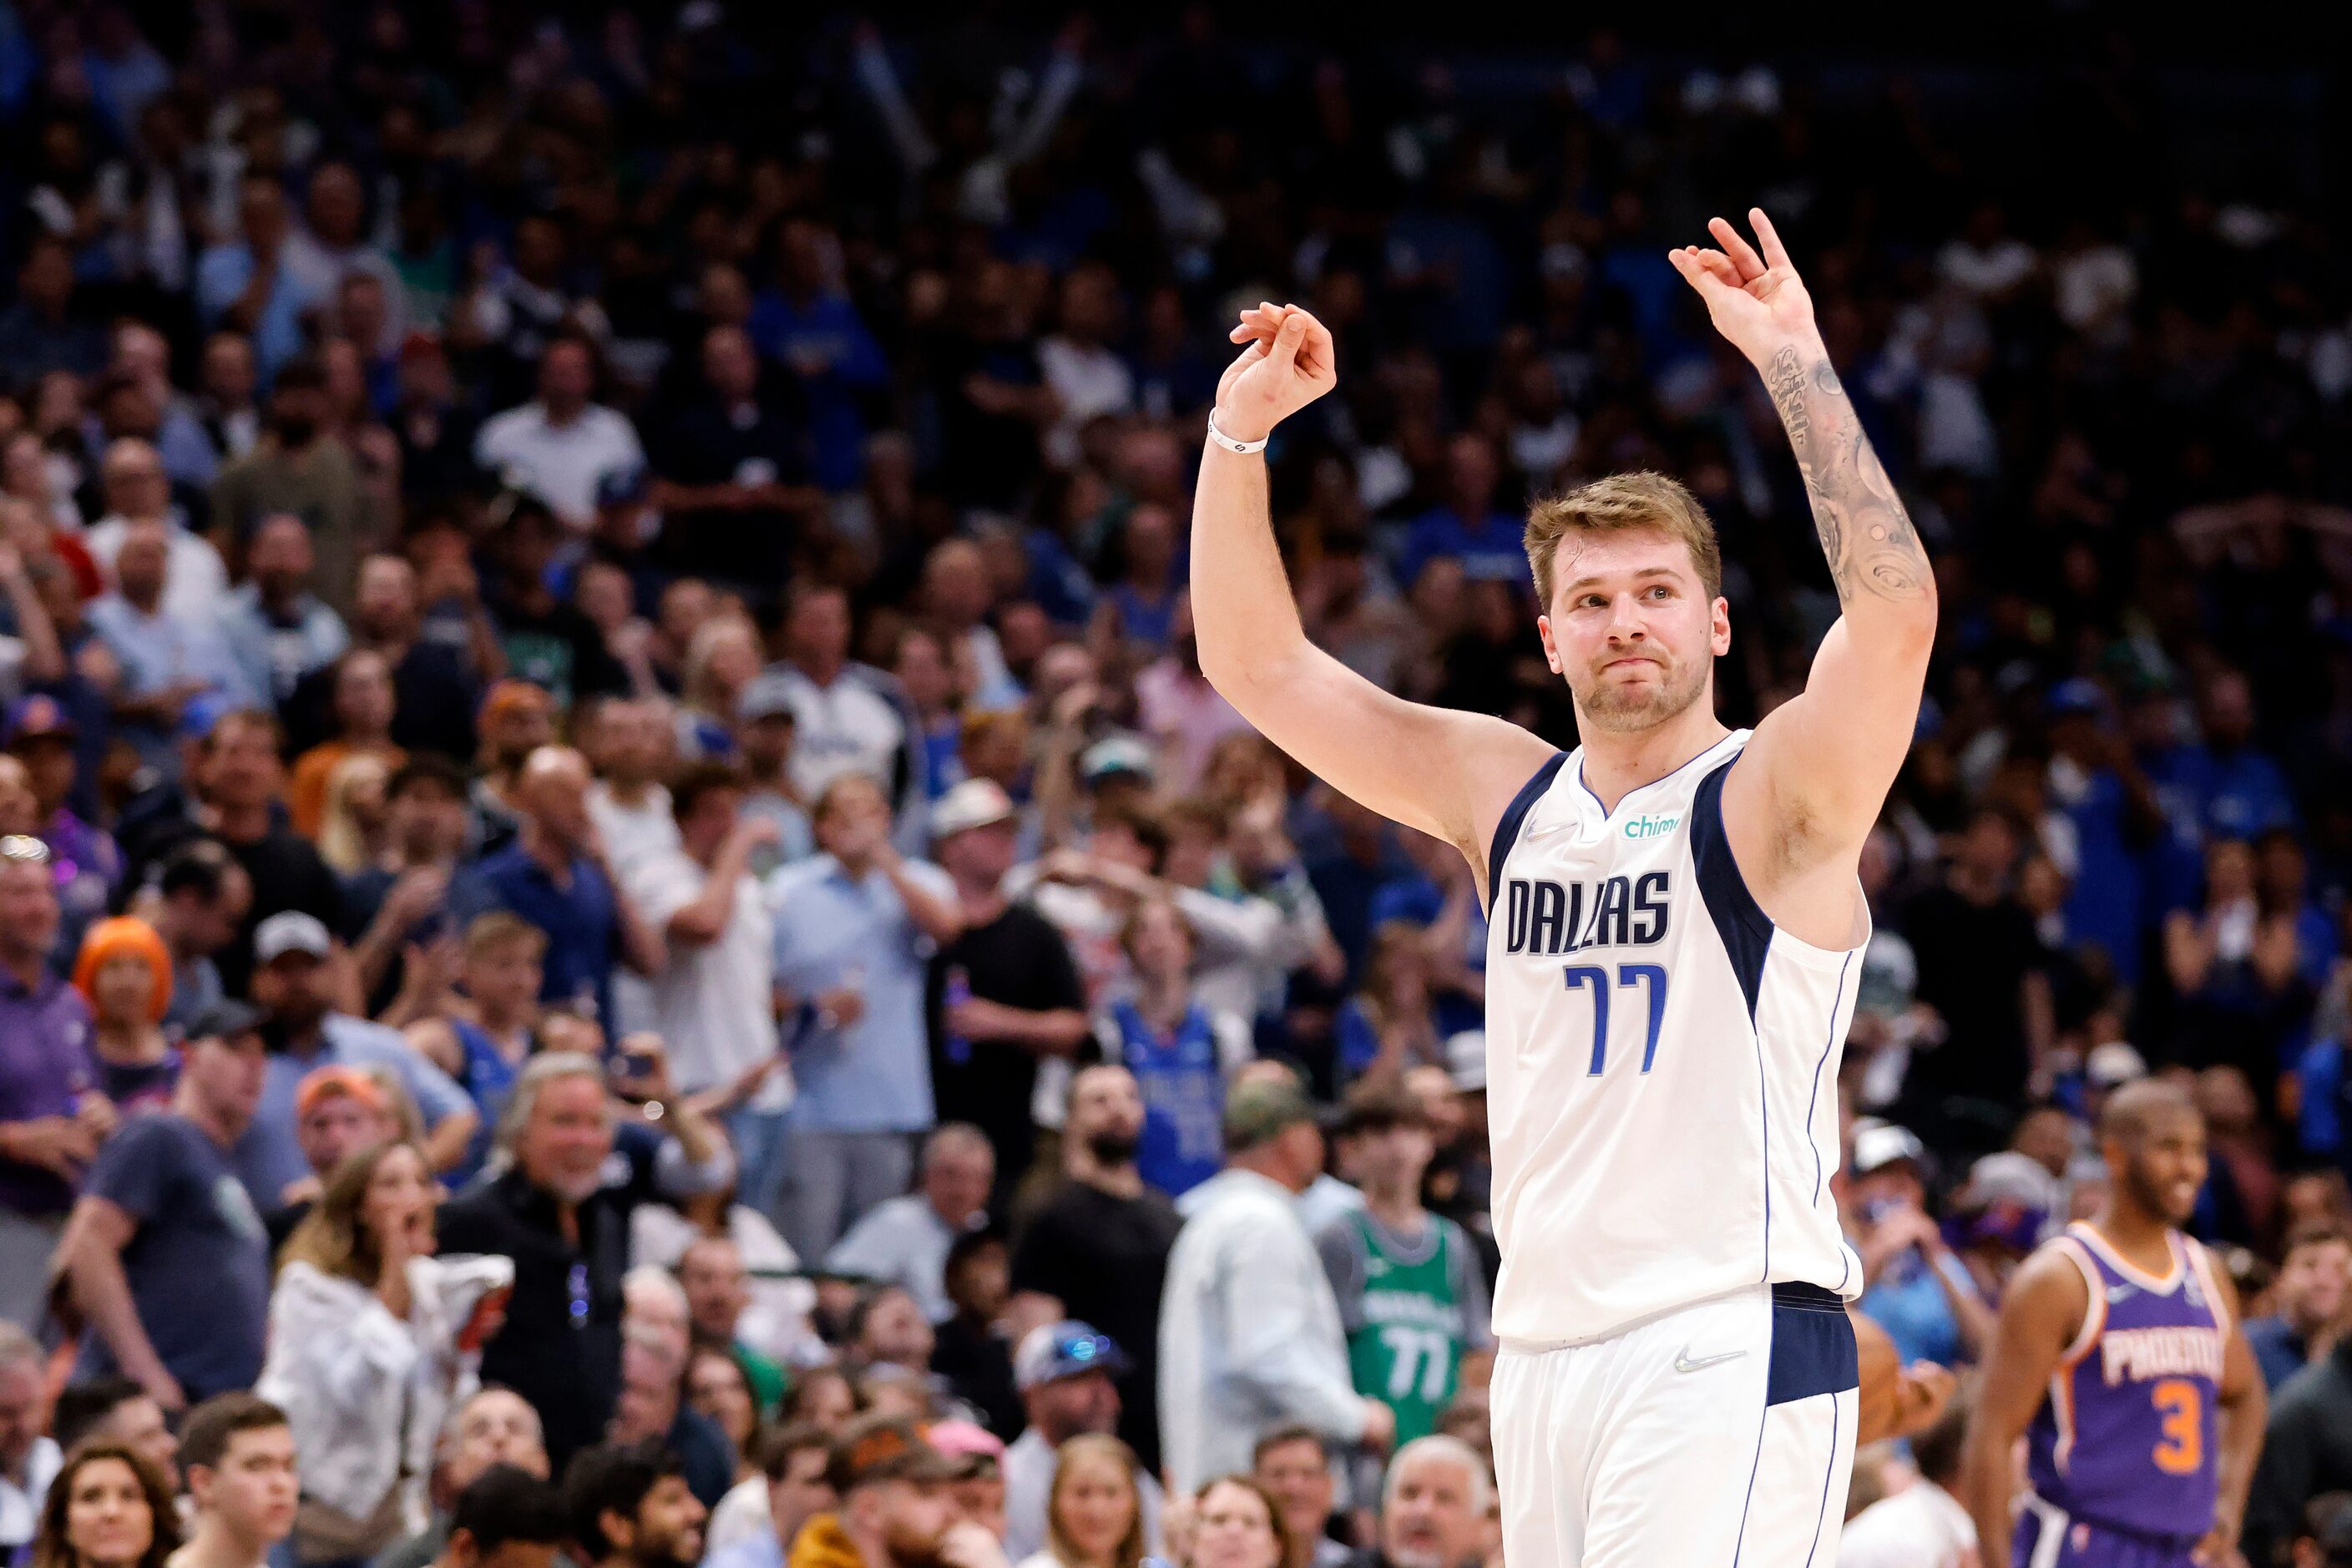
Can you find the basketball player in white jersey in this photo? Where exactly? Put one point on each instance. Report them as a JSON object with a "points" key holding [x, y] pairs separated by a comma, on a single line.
{"points": [[1675, 931]]}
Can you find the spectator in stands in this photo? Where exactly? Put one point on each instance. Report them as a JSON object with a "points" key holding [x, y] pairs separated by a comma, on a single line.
{"points": [[43, 733], [1926, 1521], [632, 746], [125, 975], [496, 1428], [1064, 1374], [107, 1509], [895, 1508], [2307, 1301], [1235, 1524], [137, 492], [551, 1206], [735, 471], [435, 684], [399, 902], [293, 981], [338, 1112], [1913, 1285], [168, 1264], [29, 1460], [1094, 1515], [166, 658], [203, 895], [483, 1041], [279, 630], [1180, 1049], [846, 715], [905, 1240], [1434, 1508], [652, 1407], [239, 1455], [560, 446], [52, 1115], [299, 465], [765, 728], [970, 1350], [118, 1411], [41, 333], [373, 1340], [717, 1390], [1995, 1001], [1389, 1025], [1249, 1332], [557, 877], [630, 1508], [506, 1517], [793, 1490], [717, 1292], [854, 929], [362, 703], [1293, 1463]]}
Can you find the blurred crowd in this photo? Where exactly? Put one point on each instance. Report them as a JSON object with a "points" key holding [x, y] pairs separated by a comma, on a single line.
{"points": [[627, 927]]}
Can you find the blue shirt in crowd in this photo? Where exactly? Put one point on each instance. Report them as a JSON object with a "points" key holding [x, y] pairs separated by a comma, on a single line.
{"points": [[581, 917], [269, 1157]]}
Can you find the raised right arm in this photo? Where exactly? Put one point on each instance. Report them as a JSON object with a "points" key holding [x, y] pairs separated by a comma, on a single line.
{"points": [[1446, 773]]}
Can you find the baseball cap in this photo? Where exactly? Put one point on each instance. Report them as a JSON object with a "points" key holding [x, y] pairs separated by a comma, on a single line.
{"points": [[1066, 1349], [1117, 754], [324, 1083], [2114, 1064], [765, 696], [1465, 1060], [1881, 1144], [885, 1448], [1257, 1113], [975, 802], [291, 931], [973, 1448], [226, 1020], [35, 717]]}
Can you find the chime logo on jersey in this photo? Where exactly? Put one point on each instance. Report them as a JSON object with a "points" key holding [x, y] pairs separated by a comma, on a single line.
{"points": [[1651, 826], [1543, 917]]}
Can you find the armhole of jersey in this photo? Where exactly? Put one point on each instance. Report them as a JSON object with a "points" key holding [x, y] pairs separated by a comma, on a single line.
{"points": [[2095, 1308], [1739, 919], [1514, 817], [2203, 1262]]}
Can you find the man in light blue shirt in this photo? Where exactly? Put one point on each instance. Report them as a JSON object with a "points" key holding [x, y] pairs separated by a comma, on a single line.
{"points": [[279, 629], [855, 926], [247, 287], [166, 659], [290, 950]]}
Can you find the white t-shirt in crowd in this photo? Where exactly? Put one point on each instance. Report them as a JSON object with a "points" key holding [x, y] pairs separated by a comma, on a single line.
{"points": [[714, 1002], [196, 580], [1919, 1527], [560, 464]]}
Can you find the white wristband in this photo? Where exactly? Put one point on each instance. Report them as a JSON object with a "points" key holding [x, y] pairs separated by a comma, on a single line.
{"points": [[1242, 448]]}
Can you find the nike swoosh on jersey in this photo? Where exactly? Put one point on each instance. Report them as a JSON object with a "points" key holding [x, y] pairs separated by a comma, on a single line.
{"points": [[2118, 1292], [1684, 1361]]}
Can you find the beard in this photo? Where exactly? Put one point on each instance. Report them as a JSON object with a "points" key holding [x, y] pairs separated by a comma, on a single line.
{"points": [[1113, 1146], [1628, 710], [909, 1547]]}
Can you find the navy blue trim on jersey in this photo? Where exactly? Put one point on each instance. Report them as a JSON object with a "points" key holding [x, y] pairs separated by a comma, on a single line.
{"points": [[1813, 1349], [1514, 817], [1739, 919]]}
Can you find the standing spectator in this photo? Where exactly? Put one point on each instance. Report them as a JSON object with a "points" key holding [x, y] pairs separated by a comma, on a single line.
{"points": [[631, 1508], [562, 445], [42, 332], [540, 635], [1293, 1464], [363, 706], [765, 728], [2307, 1301], [165, 659], [1412, 1295], [1009, 993], [114, 1410], [246, 284], [45, 735], [1096, 1248], [399, 901], [51, 1114], [794, 1490], [809, 325], [434, 683], [1179, 1051], [125, 975], [1249, 1332], [717, 1293], [1981, 967], [1434, 1508], [714, 1002], [372, 1342], [632, 746], [1390, 1026], [108, 1508], [484, 1040], [167, 1261], [300, 465], [1466, 525], [553, 1207], [338, 1112], [279, 630], [203, 895], [848, 718], [1064, 1374], [1914, 1285], [139, 491], [495, 1429], [905, 1240], [239, 1455], [292, 980], [556, 876], [734, 475], [855, 927], [29, 1460]]}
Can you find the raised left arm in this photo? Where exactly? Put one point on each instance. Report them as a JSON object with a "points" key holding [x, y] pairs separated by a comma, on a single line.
{"points": [[1830, 754]]}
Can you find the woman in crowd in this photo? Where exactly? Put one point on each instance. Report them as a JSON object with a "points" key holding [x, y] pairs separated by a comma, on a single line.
{"points": [[125, 975], [826, 1396], [716, 1386], [1236, 1525], [107, 1509], [1094, 1515], [721, 661], [355, 821], [372, 1342]]}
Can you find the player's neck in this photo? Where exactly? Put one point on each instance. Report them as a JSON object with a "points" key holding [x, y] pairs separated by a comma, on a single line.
{"points": [[2143, 1239], [1617, 762]]}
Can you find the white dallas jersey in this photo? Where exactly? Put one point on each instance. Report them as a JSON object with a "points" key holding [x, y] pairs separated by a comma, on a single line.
{"points": [[1661, 1062]]}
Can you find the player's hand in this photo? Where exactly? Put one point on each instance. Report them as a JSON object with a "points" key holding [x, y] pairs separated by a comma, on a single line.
{"points": [[2218, 1548], [1286, 361], [1757, 301], [1380, 1426], [1922, 1391]]}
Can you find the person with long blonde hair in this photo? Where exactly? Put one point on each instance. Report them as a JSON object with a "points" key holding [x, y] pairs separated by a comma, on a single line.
{"points": [[1094, 1511], [354, 822]]}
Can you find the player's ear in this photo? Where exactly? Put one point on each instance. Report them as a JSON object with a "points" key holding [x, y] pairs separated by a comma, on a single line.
{"points": [[1720, 626], [1551, 649]]}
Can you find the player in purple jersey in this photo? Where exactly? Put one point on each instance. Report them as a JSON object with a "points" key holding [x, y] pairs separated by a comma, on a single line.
{"points": [[2118, 1357]]}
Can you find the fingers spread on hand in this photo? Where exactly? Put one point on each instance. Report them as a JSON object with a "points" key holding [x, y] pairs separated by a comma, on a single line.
{"points": [[1775, 253], [1750, 265], [1722, 267]]}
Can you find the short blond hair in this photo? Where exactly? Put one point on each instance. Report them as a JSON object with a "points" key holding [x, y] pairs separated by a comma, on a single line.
{"points": [[1623, 501]]}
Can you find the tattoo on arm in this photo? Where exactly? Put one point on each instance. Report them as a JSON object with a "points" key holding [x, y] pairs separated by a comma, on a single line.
{"points": [[1866, 533]]}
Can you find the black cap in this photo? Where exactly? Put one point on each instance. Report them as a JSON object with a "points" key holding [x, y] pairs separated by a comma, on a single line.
{"points": [[226, 1020]]}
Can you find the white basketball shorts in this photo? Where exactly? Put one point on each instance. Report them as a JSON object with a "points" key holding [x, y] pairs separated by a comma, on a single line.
{"points": [[1717, 1435]]}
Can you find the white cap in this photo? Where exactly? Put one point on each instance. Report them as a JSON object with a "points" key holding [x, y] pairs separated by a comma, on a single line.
{"points": [[1465, 1060], [975, 802], [1883, 1143], [291, 931], [2115, 1063]]}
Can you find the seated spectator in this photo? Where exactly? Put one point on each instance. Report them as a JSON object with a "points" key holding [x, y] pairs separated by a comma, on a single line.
{"points": [[202, 898], [354, 825], [372, 1339], [792, 1489], [1064, 1373], [295, 983], [494, 1430], [562, 443], [968, 1348], [630, 1508], [338, 1112], [1926, 1521], [362, 703], [42, 733], [978, 1486], [1913, 1286], [239, 1455], [108, 1508], [1435, 1508], [279, 629], [888, 1339], [717, 1293], [2307, 1301], [29, 1460], [717, 1390], [166, 1261], [631, 744], [436, 685], [116, 1410], [854, 926], [894, 1507], [196, 579], [506, 1517], [1293, 1464], [42, 332], [905, 1240], [1094, 1510], [848, 718], [1389, 1025], [552, 1206], [398, 900], [166, 658], [125, 975], [652, 1407], [765, 728], [1235, 1524], [1179, 1051]]}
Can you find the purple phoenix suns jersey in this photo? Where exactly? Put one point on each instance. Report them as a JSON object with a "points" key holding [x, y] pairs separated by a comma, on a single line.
{"points": [[2126, 1437]]}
